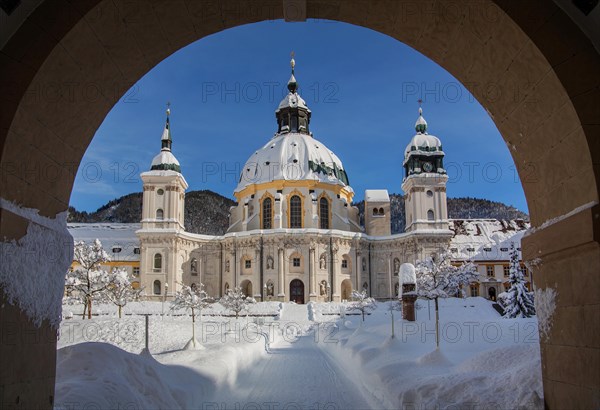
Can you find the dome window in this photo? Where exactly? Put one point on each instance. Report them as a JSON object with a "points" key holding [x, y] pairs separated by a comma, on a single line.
{"points": [[295, 161], [295, 212], [267, 163]]}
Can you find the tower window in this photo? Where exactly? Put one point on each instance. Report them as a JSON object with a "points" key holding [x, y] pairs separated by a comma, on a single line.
{"points": [[157, 262], [295, 212], [430, 193], [160, 192], [381, 212], [156, 287], [324, 213], [160, 214], [296, 262], [375, 211], [267, 216], [248, 264], [430, 215]]}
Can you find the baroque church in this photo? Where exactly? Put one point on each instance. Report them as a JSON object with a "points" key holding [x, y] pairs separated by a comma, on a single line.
{"points": [[294, 234]]}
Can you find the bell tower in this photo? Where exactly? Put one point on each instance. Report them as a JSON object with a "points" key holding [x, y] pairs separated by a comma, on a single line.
{"points": [[164, 188], [424, 181]]}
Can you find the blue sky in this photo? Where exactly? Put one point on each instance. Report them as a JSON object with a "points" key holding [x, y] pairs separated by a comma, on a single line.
{"points": [[361, 86]]}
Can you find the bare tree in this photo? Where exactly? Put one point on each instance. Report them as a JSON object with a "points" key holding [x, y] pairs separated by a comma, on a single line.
{"points": [[88, 281], [438, 278], [192, 298], [236, 301], [362, 303]]}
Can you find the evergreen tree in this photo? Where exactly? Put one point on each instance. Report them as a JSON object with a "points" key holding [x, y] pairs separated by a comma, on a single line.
{"points": [[518, 301]]}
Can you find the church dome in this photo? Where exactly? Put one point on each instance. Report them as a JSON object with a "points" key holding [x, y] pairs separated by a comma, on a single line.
{"points": [[293, 154], [293, 157]]}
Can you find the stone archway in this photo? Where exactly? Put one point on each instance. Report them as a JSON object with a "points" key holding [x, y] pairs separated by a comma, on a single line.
{"points": [[246, 286], [346, 289], [528, 64]]}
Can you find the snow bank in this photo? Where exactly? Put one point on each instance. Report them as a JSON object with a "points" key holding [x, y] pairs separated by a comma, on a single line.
{"points": [[32, 272], [100, 375]]}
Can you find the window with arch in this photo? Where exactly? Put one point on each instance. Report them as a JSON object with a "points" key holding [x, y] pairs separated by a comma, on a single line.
{"points": [[323, 213], [430, 215], [295, 212], [156, 287], [267, 213], [381, 212], [157, 262], [160, 214], [375, 211], [194, 267]]}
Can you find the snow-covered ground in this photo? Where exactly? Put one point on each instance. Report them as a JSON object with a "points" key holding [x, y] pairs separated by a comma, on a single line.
{"points": [[315, 359]]}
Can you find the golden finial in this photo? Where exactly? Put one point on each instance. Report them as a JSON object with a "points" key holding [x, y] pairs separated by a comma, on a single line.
{"points": [[293, 62], [168, 108]]}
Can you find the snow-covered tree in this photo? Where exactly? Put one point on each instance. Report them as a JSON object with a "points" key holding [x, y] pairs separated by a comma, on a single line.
{"points": [[438, 278], [518, 301], [235, 301], [120, 290], [361, 302], [192, 298], [88, 281]]}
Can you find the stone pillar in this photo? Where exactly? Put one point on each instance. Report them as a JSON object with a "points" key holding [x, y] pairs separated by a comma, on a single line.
{"points": [[358, 267], [312, 276], [281, 280], [409, 297], [335, 292]]}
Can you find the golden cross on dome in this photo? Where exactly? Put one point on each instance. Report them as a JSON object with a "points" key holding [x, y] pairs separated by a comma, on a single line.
{"points": [[168, 107], [420, 101]]}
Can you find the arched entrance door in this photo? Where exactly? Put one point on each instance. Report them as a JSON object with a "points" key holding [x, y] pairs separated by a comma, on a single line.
{"points": [[297, 291], [492, 294], [346, 289]]}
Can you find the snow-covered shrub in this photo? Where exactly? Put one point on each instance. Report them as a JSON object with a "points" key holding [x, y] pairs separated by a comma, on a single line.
{"points": [[361, 302], [235, 301], [120, 290], [192, 298]]}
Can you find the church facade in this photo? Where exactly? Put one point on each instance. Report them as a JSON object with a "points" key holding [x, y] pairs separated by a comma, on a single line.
{"points": [[294, 234]]}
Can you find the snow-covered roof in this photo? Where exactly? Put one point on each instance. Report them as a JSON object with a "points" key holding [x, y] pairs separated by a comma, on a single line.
{"points": [[377, 195], [292, 100], [423, 144], [112, 235], [293, 156], [165, 157], [485, 239]]}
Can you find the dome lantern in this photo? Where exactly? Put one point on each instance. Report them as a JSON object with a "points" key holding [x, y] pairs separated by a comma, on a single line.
{"points": [[293, 115]]}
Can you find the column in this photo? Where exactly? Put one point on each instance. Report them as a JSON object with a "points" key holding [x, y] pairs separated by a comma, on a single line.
{"points": [[335, 292], [312, 277], [280, 281], [358, 266]]}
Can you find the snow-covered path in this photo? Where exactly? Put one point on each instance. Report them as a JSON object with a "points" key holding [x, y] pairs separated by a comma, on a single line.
{"points": [[296, 375]]}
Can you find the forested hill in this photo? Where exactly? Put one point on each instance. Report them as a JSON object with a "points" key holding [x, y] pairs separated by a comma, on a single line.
{"points": [[207, 212]]}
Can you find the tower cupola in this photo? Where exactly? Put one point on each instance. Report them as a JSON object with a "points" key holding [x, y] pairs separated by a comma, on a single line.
{"points": [[165, 160], [293, 115]]}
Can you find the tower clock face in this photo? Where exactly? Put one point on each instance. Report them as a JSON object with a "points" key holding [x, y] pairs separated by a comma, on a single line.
{"points": [[427, 167]]}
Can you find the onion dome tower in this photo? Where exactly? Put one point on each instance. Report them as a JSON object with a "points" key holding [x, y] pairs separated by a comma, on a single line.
{"points": [[424, 180], [164, 187], [165, 160], [293, 181]]}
